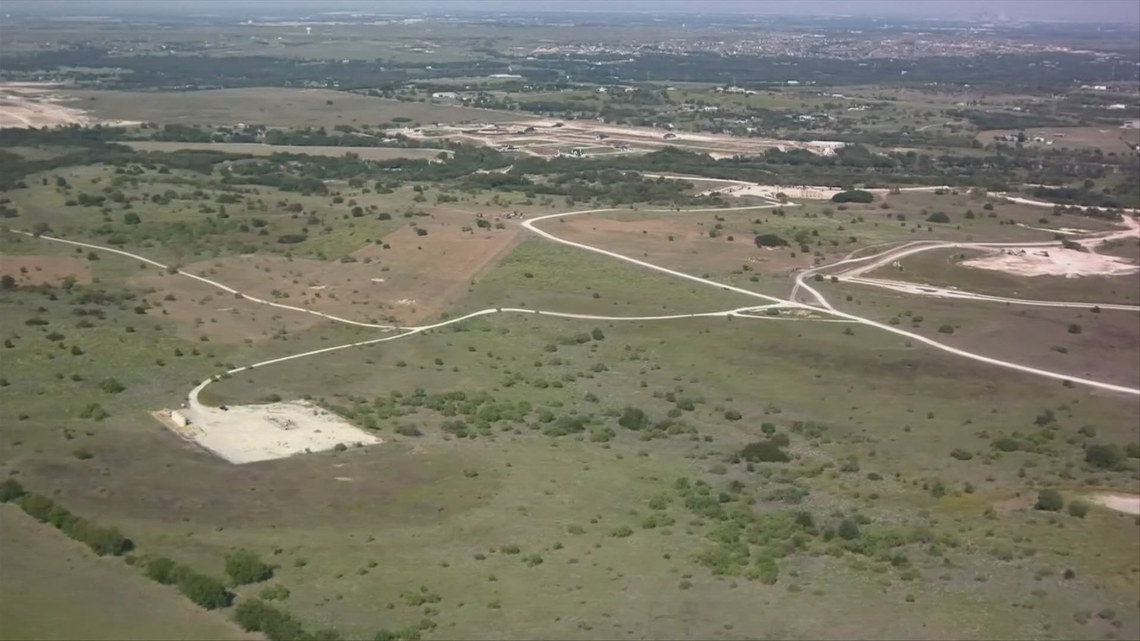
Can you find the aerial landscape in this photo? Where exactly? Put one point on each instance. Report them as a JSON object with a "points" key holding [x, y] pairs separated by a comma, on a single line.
{"points": [[569, 320]]}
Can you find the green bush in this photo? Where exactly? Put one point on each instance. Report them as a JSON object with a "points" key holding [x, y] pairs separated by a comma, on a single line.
{"points": [[1105, 457], [203, 590], [11, 490], [254, 615], [848, 530], [1049, 501], [245, 567], [938, 217], [1078, 509]]}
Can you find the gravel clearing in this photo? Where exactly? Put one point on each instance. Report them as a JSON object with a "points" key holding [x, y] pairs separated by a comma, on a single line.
{"points": [[251, 433]]}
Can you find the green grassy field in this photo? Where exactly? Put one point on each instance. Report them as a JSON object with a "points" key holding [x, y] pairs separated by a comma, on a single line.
{"points": [[367, 153], [268, 106], [54, 588], [838, 481]]}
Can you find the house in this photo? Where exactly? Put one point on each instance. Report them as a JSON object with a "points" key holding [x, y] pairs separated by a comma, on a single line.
{"points": [[444, 95]]}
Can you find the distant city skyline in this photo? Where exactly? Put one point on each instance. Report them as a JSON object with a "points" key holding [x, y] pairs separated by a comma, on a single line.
{"points": [[1112, 11]]}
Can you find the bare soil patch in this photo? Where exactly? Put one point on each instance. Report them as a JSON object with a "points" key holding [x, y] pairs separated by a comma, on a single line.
{"points": [[415, 278], [45, 270], [199, 310], [428, 273], [33, 104]]}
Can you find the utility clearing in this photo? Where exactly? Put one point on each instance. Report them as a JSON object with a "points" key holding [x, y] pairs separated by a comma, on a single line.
{"points": [[1127, 503], [1052, 261], [37, 104], [251, 433]]}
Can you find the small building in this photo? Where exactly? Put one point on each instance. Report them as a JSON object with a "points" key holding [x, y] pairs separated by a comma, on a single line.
{"points": [[180, 419]]}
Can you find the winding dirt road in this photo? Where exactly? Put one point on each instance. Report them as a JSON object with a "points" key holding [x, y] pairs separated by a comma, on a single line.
{"points": [[822, 306]]}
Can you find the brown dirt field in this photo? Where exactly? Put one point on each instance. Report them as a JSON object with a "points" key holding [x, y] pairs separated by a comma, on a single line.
{"points": [[1107, 348], [45, 270], [430, 272], [690, 250], [200, 310], [415, 279]]}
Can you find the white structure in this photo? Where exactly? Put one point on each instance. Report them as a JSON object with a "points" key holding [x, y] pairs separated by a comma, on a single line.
{"points": [[179, 419]]}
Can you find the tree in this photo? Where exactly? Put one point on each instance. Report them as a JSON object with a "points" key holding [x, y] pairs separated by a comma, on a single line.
{"points": [[938, 217], [853, 196], [597, 334], [633, 418], [764, 452], [1049, 501], [1105, 457], [131, 218], [244, 567], [770, 240], [7, 282]]}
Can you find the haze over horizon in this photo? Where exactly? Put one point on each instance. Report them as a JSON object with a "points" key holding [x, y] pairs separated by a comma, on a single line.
{"points": [[1108, 11]]}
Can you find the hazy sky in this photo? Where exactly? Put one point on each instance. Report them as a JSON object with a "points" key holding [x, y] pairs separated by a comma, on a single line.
{"points": [[1075, 10]]}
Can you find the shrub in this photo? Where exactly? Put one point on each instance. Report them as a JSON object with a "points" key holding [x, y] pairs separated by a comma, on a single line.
{"points": [[961, 454], [254, 615], [163, 570], [765, 570], [1049, 501], [111, 386], [1006, 444], [291, 239], [946, 329], [938, 217], [732, 415], [244, 567], [1075, 328], [848, 530]]}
